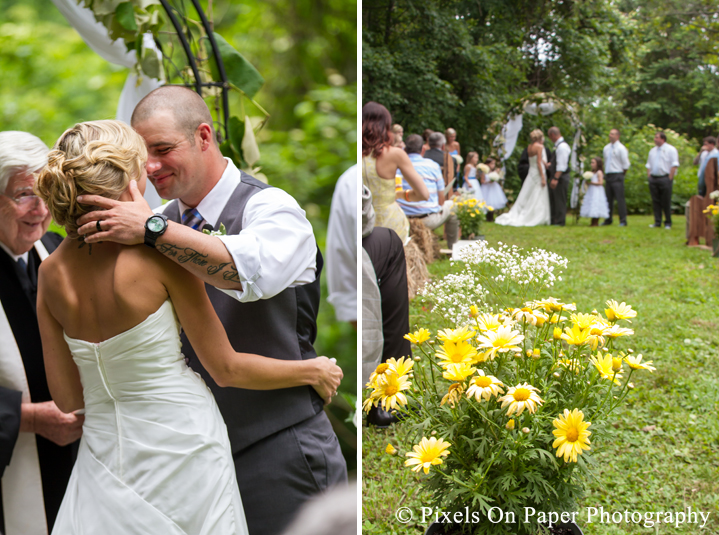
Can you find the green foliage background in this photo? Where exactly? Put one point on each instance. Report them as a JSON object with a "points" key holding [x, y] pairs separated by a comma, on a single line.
{"points": [[627, 63], [305, 50]]}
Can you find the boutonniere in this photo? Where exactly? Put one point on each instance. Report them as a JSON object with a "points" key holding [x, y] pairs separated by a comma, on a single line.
{"points": [[222, 231]]}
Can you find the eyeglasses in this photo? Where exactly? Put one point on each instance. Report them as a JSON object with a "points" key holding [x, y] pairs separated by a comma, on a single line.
{"points": [[25, 199]]}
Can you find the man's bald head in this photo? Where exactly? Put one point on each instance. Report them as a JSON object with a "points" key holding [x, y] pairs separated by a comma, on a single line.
{"points": [[184, 105]]}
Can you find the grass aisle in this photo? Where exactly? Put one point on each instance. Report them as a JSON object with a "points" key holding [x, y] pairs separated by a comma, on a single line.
{"points": [[664, 452]]}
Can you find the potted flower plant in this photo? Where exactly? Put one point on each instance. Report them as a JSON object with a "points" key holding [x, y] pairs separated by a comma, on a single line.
{"points": [[470, 212], [506, 404]]}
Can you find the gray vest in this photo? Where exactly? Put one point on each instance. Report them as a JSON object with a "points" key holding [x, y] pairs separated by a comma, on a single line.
{"points": [[282, 327], [553, 163]]}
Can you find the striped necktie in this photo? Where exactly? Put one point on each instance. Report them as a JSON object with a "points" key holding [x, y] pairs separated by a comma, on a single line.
{"points": [[192, 218]]}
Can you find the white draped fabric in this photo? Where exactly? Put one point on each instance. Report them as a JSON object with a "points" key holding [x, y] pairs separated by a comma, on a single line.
{"points": [[23, 504], [97, 38]]}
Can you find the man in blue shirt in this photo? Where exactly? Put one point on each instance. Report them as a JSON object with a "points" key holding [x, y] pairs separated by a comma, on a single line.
{"points": [[435, 211]]}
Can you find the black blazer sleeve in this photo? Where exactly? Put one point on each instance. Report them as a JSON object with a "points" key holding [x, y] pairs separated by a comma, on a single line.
{"points": [[10, 406]]}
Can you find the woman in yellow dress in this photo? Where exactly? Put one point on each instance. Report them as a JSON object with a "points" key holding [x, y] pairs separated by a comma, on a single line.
{"points": [[380, 161]]}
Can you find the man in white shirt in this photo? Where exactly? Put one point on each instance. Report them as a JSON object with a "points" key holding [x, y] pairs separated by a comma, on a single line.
{"points": [[661, 166], [616, 163], [559, 173], [342, 247], [263, 281]]}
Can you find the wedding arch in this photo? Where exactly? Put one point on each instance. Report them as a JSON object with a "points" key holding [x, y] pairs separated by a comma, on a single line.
{"points": [[542, 104], [166, 42]]}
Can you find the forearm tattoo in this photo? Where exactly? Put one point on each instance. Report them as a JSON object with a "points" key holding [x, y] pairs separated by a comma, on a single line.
{"points": [[184, 255]]}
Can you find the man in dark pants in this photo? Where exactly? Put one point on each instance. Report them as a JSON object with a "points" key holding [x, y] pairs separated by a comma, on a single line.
{"points": [[661, 166], [616, 163], [262, 278], [559, 173]]}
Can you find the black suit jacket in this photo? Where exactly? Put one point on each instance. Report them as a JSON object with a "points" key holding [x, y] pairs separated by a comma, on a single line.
{"points": [[18, 301]]}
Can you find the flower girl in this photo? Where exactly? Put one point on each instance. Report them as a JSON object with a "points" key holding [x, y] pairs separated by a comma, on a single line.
{"points": [[595, 203], [471, 183], [491, 188]]}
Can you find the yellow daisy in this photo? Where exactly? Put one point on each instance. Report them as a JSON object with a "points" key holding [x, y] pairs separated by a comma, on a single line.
{"points": [[427, 453], [583, 321], [418, 337], [391, 449], [388, 390], [458, 372], [570, 364], [605, 366], [637, 364], [553, 305], [489, 322], [615, 331], [473, 311], [557, 333], [572, 435], [379, 370], [484, 387], [619, 311], [453, 394], [401, 366], [502, 340], [454, 353], [521, 397], [525, 314], [455, 335], [576, 336]]}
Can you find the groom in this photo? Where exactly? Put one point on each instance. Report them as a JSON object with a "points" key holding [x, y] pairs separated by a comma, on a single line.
{"points": [[263, 281], [559, 173]]}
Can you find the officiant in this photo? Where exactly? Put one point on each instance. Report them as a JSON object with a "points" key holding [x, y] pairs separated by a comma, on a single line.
{"points": [[37, 440], [262, 278]]}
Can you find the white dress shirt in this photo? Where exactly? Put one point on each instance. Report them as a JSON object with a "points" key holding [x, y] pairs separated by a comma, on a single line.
{"points": [[616, 158], [14, 256], [276, 248], [342, 247], [563, 151], [662, 159]]}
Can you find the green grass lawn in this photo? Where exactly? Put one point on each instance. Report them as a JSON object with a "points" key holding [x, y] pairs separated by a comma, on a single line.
{"points": [[664, 452]]}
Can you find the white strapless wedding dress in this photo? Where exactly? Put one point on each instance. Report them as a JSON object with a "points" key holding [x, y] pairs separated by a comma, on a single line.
{"points": [[154, 456], [532, 205]]}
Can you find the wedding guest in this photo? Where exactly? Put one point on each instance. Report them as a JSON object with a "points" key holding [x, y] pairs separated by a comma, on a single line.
{"points": [[595, 204], [559, 174], [263, 283], [425, 136], [385, 301], [37, 440], [435, 211], [492, 190], [380, 161], [398, 133], [709, 150], [437, 152], [616, 164], [471, 181], [662, 165], [452, 145], [342, 247]]}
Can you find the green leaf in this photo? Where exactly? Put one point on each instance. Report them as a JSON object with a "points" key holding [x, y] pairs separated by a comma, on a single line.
{"points": [[240, 72], [151, 64], [236, 129], [125, 14]]}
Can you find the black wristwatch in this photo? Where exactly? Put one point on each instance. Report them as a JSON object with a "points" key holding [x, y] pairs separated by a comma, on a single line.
{"points": [[155, 226]]}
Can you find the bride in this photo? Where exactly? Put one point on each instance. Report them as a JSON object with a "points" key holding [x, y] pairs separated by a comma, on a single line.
{"points": [[532, 205], [154, 456]]}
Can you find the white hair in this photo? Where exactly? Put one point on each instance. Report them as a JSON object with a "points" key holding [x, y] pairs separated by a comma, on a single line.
{"points": [[20, 152]]}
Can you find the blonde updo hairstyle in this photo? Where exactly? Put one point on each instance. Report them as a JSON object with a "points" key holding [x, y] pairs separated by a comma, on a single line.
{"points": [[92, 158], [536, 136]]}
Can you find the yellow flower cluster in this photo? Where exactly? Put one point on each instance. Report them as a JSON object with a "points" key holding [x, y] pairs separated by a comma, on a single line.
{"points": [[388, 382]]}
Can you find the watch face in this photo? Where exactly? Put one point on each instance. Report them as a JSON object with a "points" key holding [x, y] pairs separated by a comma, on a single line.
{"points": [[155, 224]]}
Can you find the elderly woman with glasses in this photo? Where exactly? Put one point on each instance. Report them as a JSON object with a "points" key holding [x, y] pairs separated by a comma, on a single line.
{"points": [[37, 440]]}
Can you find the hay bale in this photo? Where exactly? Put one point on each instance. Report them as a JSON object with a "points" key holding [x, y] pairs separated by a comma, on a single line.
{"points": [[417, 273], [426, 240]]}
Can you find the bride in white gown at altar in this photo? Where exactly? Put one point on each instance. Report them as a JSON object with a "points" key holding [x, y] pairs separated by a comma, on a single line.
{"points": [[532, 205], [154, 456]]}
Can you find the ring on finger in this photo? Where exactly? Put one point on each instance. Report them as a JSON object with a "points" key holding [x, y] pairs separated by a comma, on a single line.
{"points": [[97, 224]]}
